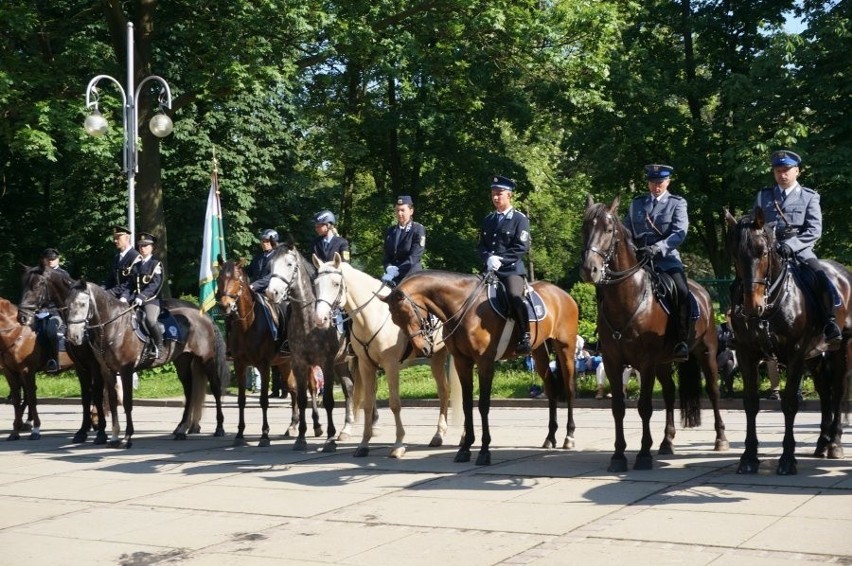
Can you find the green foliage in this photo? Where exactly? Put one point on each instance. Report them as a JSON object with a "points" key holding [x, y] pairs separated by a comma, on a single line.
{"points": [[584, 295]]}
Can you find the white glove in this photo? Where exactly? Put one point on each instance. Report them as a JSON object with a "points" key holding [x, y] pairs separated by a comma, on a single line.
{"points": [[493, 263], [123, 300], [387, 278], [392, 271], [137, 302]]}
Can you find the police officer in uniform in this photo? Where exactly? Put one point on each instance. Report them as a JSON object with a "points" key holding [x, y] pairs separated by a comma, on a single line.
{"points": [[48, 316], [504, 240], [327, 241], [404, 243], [258, 270], [121, 262], [795, 213], [143, 287], [658, 223]]}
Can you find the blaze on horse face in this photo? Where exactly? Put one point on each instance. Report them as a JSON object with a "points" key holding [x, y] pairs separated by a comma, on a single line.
{"points": [[284, 266], [405, 313], [599, 239], [79, 307], [751, 244]]}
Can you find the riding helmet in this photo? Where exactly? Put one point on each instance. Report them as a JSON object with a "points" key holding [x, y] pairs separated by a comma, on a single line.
{"points": [[270, 234], [325, 217]]}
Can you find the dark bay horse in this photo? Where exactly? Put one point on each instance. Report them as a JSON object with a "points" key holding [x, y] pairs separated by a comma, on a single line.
{"points": [[377, 343], [635, 330], [21, 356], [776, 319], [95, 317], [251, 343], [310, 344], [475, 334]]}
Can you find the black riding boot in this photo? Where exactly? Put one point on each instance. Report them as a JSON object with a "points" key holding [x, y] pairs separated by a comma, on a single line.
{"points": [[156, 338], [832, 333], [681, 349], [522, 320]]}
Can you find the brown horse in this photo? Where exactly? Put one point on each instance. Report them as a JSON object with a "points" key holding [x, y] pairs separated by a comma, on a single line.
{"points": [[251, 343], [21, 356], [475, 334], [635, 330], [310, 345], [774, 318], [95, 317]]}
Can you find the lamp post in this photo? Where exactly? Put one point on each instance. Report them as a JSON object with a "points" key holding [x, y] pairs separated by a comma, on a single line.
{"points": [[160, 125]]}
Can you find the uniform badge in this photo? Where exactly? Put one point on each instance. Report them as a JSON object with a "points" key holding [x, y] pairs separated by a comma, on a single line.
{"points": [[422, 241], [525, 236], [159, 269], [345, 255]]}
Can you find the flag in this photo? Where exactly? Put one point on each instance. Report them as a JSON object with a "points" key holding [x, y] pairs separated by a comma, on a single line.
{"points": [[214, 245]]}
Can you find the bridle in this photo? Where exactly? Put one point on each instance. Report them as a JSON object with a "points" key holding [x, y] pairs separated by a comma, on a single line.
{"points": [[608, 276], [337, 301], [288, 279], [233, 309], [92, 313], [772, 286]]}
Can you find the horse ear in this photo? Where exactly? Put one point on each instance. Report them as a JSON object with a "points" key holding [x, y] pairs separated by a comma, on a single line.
{"points": [[590, 200], [316, 261], [613, 208], [337, 260], [729, 218], [758, 217]]}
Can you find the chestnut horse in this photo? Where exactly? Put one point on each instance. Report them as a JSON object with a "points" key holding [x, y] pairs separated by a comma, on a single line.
{"points": [[377, 342], [635, 330], [21, 356], [310, 344], [775, 318], [251, 343], [475, 334]]}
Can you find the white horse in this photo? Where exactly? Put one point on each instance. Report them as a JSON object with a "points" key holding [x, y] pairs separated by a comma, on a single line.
{"points": [[379, 343]]}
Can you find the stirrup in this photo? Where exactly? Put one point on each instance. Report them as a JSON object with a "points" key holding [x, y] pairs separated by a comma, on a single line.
{"points": [[832, 333], [681, 352], [52, 366], [524, 344]]}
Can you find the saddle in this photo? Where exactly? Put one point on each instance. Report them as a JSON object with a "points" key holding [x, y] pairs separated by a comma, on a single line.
{"points": [[499, 301], [808, 281], [168, 325], [665, 291], [277, 327]]}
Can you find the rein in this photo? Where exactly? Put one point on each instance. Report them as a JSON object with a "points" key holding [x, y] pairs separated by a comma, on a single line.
{"points": [[609, 276]]}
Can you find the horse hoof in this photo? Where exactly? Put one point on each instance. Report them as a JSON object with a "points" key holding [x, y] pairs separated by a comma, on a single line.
{"points": [[240, 441], [462, 456], [263, 443], [361, 452], [722, 446], [549, 444], [787, 467], [665, 449], [194, 429], [329, 447], [397, 452], [569, 443], [300, 445], [128, 444], [287, 434], [26, 427], [318, 431], [484, 458], [114, 444], [79, 438], [835, 452], [14, 436], [436, 442], [180, 436], [220, 431], [617, 465], [748, 466], [35, 435], [643, 463], [100, 438]]}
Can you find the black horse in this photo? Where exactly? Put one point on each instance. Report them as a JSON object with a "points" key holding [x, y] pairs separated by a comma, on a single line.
{"points": [[96, 318], [774, 317]]}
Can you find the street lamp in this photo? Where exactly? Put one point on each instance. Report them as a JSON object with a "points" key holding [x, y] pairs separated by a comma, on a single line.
{"points": [[160, 125]]}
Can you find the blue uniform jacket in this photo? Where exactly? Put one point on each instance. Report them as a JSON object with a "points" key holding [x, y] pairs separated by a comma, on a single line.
{"points": [[337, 244], [258, 271], [801, 225], [120, 271], [407, 251], [663, 226], [145, 280], [508, 239]]}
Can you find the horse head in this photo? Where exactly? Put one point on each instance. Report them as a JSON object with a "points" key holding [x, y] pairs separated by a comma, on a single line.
{"points": [[41, 288], [287, 280], [80, 311], [602, 232], [412, 318], [329, 288], [751, 243], [230, 285]]}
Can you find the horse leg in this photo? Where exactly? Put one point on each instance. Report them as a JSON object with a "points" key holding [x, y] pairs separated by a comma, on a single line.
{"points": [[185, 376], [264, 404], [565, 359], [787, 463], [438, 363], [644, 459], [837, 372], [542, 368], [464, 367], [240, 368], [367, 376], [711, 384], [32, 405], [85, 380], [614, 369], [328, 404], [664, 375], [212, 371], [315, 414], [17, 404], [341, 370], [749, 463], [303, 373], [127, 384], [486, 380]]}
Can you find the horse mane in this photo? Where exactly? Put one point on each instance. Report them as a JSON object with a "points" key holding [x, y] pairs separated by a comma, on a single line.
{"points": [[600, 210]]}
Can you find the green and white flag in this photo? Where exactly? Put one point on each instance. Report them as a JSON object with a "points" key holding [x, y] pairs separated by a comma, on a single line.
{"points": [[214, 246]]}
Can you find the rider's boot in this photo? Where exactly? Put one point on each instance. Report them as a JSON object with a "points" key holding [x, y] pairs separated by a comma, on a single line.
{"points": [[830, 299], [681, 349], [520, 310], [157, 339]]}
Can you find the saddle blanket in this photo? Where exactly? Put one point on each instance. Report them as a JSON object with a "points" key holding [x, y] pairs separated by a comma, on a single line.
{"points": [[536, 310], [171, 330]]}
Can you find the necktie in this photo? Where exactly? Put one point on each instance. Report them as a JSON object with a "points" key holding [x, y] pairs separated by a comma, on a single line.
{"points": [[325, 245], [397, 236]]}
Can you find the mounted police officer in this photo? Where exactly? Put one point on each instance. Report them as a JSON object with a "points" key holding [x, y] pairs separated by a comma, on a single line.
{"points": [[404, 243], [258, 270], [504, 240], [327, 241], [658, 223], [121, 262], [48, 319], [795, 213], [143, 287]]}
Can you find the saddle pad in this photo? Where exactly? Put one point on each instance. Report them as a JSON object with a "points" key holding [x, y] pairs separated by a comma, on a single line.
{"points": [[664, 289], [267, 314], [171, 330], [536, 310]]}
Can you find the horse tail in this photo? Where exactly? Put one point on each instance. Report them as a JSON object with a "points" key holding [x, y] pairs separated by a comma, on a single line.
{"points": [[221, 360], [456, 416], [689, 386], [198, 395]]}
